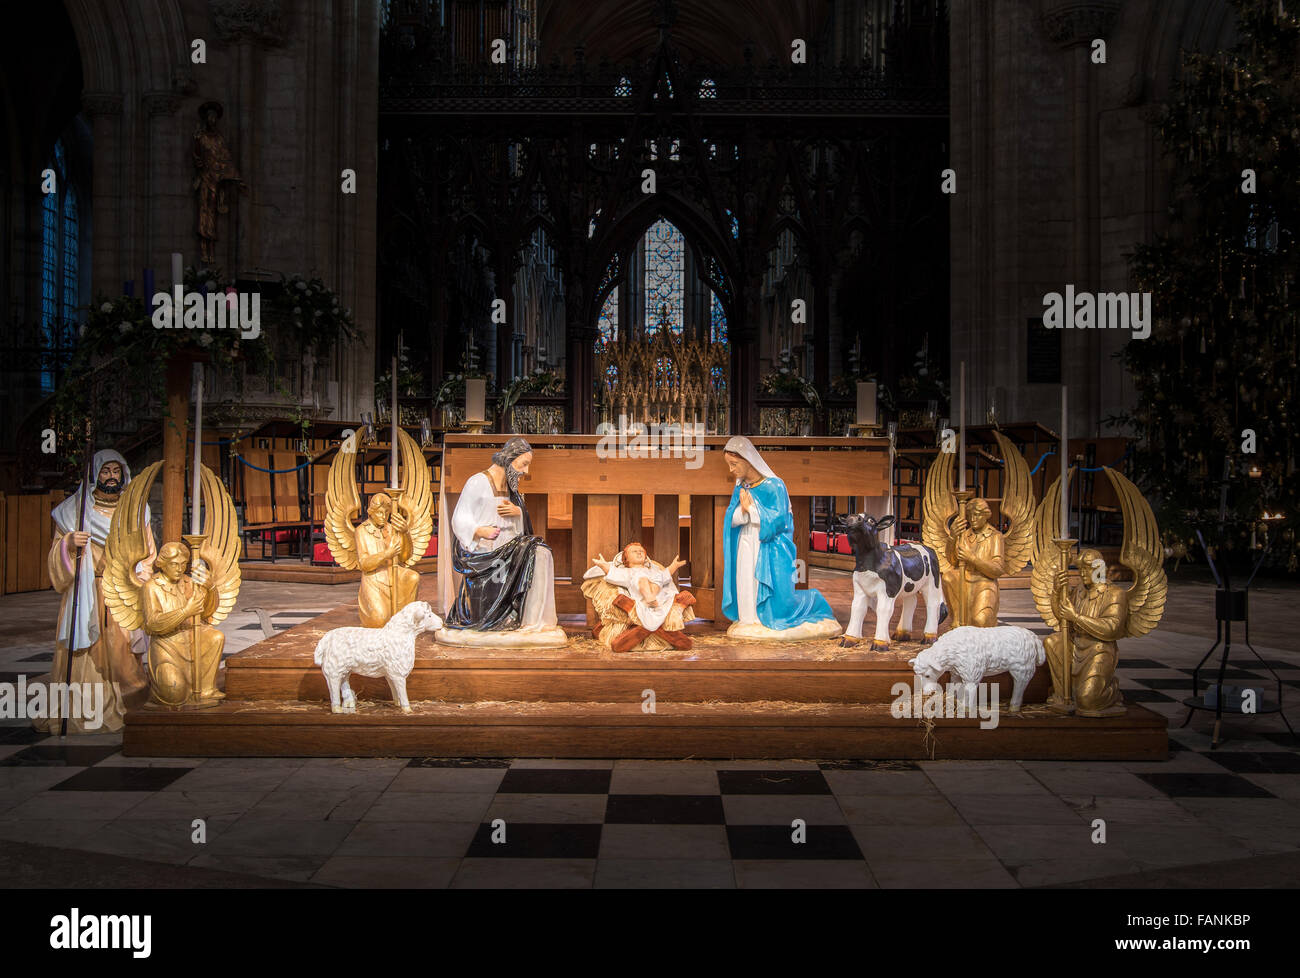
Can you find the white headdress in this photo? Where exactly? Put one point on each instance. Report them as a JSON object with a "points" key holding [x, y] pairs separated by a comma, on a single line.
{"points": [[746, 450]]}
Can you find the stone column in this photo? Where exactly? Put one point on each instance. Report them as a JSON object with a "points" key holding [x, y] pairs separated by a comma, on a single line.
{"points": [[1073, 26]]}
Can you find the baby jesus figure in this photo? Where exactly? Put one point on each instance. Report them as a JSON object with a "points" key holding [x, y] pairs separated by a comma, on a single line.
{"points": [[647, 597]]}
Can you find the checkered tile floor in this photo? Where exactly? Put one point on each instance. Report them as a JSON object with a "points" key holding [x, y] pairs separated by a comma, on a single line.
{"points": [[436, 822], [627, 823]]}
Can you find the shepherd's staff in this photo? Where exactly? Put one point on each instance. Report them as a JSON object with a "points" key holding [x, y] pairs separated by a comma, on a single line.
{"points": [[76, 570]]}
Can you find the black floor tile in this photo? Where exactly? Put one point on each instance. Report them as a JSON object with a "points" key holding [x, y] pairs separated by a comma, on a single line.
{"points": [[868, 766], [665, 810], [1271, 663], [1281, 738], [60, 755], [39, 657], [1146, 696], [1142, 664], [560, 781], [538, 840], [1177, 785], [497, 762], [122, 779], [1251, 762], [1233, 674], [776, 842], [24, 734], [774, 782], [1183, 686]]}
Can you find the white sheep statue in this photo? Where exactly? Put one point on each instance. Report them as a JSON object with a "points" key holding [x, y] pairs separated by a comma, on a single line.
{"points": [[970, 654], [374, 652]]}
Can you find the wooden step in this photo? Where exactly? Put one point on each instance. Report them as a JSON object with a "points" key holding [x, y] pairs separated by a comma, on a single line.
{"points": [[505, 677], [622, 730], [283, 668]]}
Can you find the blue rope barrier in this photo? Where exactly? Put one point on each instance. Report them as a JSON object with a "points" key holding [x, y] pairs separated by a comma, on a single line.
{"points": [[219, 441], [259, 468], [1096, 468]]}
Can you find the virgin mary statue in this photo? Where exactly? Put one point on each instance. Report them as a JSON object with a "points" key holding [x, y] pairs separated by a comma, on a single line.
{"points": [[758, 592]]}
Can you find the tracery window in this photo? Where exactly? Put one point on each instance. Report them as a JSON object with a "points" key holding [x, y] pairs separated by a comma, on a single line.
{"points": [[60, 257], [608, 320], [665, 263]]}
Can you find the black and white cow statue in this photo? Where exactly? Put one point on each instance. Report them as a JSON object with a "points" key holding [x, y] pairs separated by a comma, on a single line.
{"points": [[885, 573]]}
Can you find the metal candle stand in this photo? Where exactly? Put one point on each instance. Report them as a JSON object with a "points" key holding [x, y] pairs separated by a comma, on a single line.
{"points": [[1230, 605]]}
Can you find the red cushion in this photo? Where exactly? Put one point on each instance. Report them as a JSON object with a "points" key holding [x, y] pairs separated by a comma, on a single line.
{"points": [[320, 553], [820, 543]]}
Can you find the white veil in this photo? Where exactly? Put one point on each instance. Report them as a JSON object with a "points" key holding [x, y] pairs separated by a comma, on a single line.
{"points": [[746, 450]]}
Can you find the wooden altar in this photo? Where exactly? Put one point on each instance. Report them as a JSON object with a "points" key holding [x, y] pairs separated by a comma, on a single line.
{"points": [[608, 503]]}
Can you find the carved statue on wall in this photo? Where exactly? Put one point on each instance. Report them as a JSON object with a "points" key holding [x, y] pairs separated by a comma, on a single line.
{"points": [[214, 171]]}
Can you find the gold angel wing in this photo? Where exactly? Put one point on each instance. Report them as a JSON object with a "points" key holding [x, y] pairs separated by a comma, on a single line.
{"points": [[938, 508], [127, 545], [1143, 553], [1047, 556], [1017, 507], [342, 504], [221, 549], [417, 495]]}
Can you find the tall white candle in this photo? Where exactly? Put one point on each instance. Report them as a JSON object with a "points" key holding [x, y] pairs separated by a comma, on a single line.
{"points": [[961, 415], [1065, 465], [195, 497], [392, 448], [178, 269]]}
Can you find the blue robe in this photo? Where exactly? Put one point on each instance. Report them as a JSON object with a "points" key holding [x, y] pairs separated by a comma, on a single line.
{"points": [[780, 605]]}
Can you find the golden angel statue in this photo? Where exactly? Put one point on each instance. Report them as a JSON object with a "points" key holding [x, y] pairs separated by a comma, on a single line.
{"points": [[179, 597], [395, 534], [972, 553], [1091, 618]]}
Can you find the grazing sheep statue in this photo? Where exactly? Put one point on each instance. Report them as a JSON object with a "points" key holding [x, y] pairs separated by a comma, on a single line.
{"points": [[374, 652], [970, 654]]}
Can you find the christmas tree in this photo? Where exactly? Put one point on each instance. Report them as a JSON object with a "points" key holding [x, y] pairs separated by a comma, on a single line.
{"points": [[1216, 377]]}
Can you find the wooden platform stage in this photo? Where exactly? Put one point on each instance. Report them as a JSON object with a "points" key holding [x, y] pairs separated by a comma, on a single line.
{"points": [[719, 700]]}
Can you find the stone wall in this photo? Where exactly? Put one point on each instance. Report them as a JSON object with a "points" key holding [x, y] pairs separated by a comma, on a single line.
{"points": [[1060, 173], [298, 84]]}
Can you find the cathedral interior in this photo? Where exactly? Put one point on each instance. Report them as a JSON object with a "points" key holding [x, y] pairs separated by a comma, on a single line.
{"points": [[802, 222]]}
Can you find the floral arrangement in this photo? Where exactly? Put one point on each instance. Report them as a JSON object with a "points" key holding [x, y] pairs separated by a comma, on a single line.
{"points": [[452, 388], [312, 309], [786, 379], [540, 381]]}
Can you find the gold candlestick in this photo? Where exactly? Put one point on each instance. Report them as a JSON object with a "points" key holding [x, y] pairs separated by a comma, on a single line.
{"points": [[963, 496], [395, 493], [194, 541], [1065, 694]]}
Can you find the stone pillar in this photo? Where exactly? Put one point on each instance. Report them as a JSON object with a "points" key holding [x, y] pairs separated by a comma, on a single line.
{"points": [[1074, 26], [108, 202]]}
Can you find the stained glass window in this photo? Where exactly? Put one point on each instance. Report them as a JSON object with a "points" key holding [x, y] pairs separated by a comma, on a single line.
{"points": [[624, 87], [665, 262], [60, 284], [718, 332], [665, 372], [608, 321], [719, 380], [708, 88]]}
